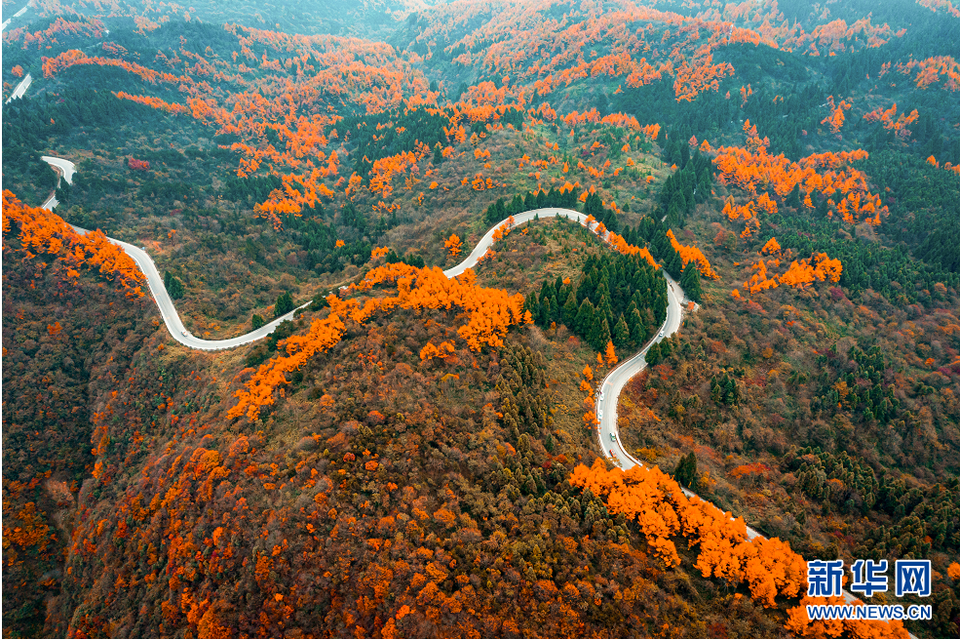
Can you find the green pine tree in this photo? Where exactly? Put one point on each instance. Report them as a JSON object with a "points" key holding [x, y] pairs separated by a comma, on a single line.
{"points": [[793, 200], [284, 305], [570, 311], [653, 357], [621, 333], [601, 334], [690, 282], [585, 317], [173, 285], [686, 471], [665, 348]]}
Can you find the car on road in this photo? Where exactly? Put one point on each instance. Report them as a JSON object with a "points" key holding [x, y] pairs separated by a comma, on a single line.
{"points": [[613, 437], [661, 334], [600, 397]]}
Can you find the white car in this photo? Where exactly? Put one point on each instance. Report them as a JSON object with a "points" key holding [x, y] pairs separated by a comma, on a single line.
{"points": [[661, 334], [613, 437]]}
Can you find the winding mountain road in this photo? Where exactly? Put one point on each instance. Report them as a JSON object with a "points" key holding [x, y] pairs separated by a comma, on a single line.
{"points": [[609, 389], [65, 169]]}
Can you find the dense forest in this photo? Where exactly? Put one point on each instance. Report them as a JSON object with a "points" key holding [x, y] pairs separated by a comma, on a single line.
{"points": [[412, 455]]}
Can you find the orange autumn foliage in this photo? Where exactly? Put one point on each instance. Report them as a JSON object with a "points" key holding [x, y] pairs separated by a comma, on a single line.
{"points": [[932, 70], [772, 246], [42, 231], [453, 245], [816, 173], [430, 351], [624, 247], [693, 253], [662, 512], [803, 273], [836, 116], [760, 280], [259, 389], [886, 117], [490, 311], [610, 354], [798, 275], [156, 103]]}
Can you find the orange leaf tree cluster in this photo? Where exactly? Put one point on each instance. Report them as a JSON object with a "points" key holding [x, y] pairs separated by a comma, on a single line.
{"points": [[628, 249], [516, 42], [589, 415], [836, 116], [490, 313], [932, 70], [887, 118], [693, 253], [430, 351], [772, 246], [654, 500], [817, 173], [946, 165], [156, 103], [946, 5], [798, 275], [259, 389], [282, 118], [73, 57], [42, 231], [76, 28]]}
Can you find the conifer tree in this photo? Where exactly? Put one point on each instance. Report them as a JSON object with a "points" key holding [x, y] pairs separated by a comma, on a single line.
{"points": [[686, 471], [570, 311], [690, 282], [585, 317], [621, 333], [653, 357], [284, 305], [173, 285]]}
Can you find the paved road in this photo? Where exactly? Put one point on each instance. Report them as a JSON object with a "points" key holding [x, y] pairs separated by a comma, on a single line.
{"points": [[65, 169], [21, 89], [608, 395], [610, 388], [159, 292], [487, 240], [22, 11]]}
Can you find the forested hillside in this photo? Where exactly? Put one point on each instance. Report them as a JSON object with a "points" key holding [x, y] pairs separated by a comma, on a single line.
{"points": [[414, 455]]}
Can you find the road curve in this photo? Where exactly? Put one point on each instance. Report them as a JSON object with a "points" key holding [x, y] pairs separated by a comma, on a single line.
{"points": [[171, 318], [487, 240], [609, 390], [168, 311], [608, 397]]}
